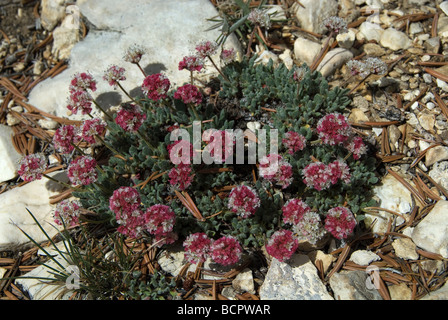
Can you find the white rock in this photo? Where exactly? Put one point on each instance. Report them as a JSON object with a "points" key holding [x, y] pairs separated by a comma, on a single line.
{"points": [[436, 154], [33, 196], [295, 280], [306, 50], [9, 157], [395, 40], [442, 85], [439, 294], [276, 12], [405, 249], [431, 232], [347, 39], [52, 13], [444, 7], [64, 38], [427, 120], [351, 285], [333, 60], [244, 281], [285, 57], [314, 13], [168, 29], [401, 202], [371, 31], [364, 257], [439, 173]]}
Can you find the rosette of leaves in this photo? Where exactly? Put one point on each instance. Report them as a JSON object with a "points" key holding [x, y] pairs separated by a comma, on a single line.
{"points": [[157, 287]]}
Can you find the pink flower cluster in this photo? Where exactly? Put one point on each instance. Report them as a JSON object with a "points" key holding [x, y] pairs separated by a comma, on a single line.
{"points": [[188, 93], [276, 170], [228, 55], [282, 245], [335, 24], [260, 17], [309, 228], [226, 250], [82, 171], [156, 86], [125, 203], [320, 176], [65, 137], [134, 54], [92, 128], [114, 74], [220, 141], [294, 142], [80, 100], [340, 222], [181, 176], [67, 213], [82, 81], [334, 129], [206, 48], [293, 211], [32, 166], [197, 247], [159, 221], [191, 63], [130, 117], [244, 201], [181, 151]]}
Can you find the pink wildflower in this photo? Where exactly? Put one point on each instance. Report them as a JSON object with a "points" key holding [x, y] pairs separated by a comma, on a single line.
{"points": [[197, 247], [67, 213], [80, 100], [356, 146], [340, 222], [316, 175], [282, 245], [82, 171], [294, 142], [114, 74], [309, 228], [159, 220], [188, 93], [181, 176], [206, 48], [181, 151], [92, 128], [134, 54], [228, 55], [156, 86], [125, 203], [130, 117], [226, 250], [65, 137], [276, 170], [244, 201], [191, 63], [32, 166], [339, 170], [335, 24], [293, 211], [82, 81], [334, 129], [260, 17], [220, 141]]}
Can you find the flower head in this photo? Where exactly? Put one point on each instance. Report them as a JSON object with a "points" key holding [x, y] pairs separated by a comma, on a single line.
{"points": [[191, 63], [315, 175], [340, 222], [181, 151], [333, 129], [228, 55], [80, 100], [358, 67], [244, 201], [260, 17], [65, 137], [159, 219], [156, 86], [335, 24], [32, 166], [82, 171], [299, 73], [356, 146], [206, 48], [130, 117], [221, 142], [282, 245], [309, 228], [339, 170], [188, 93], [197, 247], [226, 250], [181, 176], [82, 81], [134, 54], [293, 211], [114, 74], [125, 203], [376, 65], [276, 170], [67, 213], [294, 142], [92, 128]]}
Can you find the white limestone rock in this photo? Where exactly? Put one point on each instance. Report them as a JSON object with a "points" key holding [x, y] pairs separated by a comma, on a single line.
{"points": [[295, 280], [9, 157], [314, 12], [395, 39], [52, 12], [431, 232], [65, 37], [351, 285], [306, 50], [333, 60], [364, 257]]}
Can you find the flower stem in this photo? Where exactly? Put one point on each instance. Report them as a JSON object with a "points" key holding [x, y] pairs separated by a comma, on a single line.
{"points": [[322, 52], [109, 146], [102, 110], [146, 141], [218, 69], [141, 69], [126, 93], [57, 181]]}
